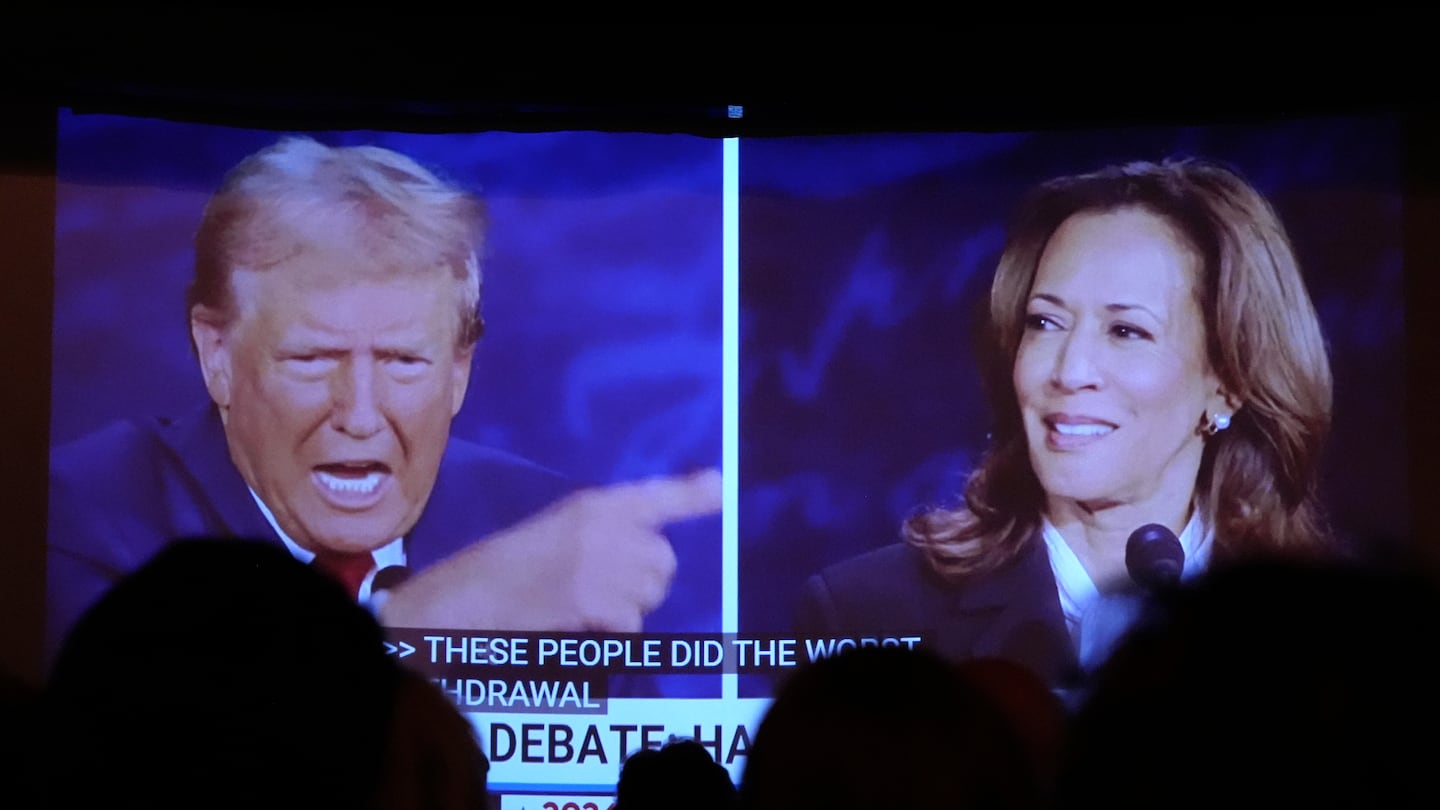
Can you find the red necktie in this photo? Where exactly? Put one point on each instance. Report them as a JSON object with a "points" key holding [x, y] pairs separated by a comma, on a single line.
{"points": [[347, 569]]}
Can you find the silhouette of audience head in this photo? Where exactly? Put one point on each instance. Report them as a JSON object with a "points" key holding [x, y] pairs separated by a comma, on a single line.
{"points": [[887, 727], [679, 774], [433, 760], [1268, 682], [1037, 714], [225, 673]]}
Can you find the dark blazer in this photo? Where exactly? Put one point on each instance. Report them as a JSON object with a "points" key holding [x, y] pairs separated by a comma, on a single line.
{"points": [[1012, 613], [117, 496]]}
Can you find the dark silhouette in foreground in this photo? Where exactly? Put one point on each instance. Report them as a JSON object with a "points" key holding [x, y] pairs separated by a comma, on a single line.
{"points": [[1268, 684], [679, 774], [225, 673], [889, 727]]}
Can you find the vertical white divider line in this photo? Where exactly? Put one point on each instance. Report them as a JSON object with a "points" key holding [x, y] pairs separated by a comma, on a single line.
{"points": [[730, 439]]}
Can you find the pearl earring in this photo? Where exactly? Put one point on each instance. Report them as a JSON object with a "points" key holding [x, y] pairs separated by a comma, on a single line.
{"points": [[1218, 422]]}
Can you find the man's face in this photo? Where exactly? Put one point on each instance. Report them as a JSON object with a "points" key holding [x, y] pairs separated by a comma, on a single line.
{"points": [[337, 393]]}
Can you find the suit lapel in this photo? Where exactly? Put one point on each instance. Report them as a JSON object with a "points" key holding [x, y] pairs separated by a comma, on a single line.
{"points": [[1013, 613], [208, 497]]}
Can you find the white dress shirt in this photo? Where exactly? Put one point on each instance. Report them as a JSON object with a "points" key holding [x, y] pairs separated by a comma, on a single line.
{"points": [[1096, 620], [392, 553]]}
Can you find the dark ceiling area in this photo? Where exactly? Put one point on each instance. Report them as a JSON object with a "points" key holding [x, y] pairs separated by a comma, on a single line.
{"points": [[432, 71]]}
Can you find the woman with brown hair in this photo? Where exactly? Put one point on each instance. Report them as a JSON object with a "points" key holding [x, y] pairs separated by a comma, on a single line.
{"points": [[1154, 358]]}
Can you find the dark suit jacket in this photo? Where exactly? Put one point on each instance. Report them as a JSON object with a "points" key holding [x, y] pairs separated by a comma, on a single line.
{"points": [[118, 495], [1012, 613]]}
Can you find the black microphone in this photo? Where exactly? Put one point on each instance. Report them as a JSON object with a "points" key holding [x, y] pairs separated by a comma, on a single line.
{"points": [[1154, 556], [389, 577]]}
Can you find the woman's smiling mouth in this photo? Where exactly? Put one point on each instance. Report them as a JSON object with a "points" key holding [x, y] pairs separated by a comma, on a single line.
{"points": [[1066, 432]]}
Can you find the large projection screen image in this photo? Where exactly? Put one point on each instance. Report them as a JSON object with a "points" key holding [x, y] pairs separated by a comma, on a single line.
{"points": [[710, 375]]}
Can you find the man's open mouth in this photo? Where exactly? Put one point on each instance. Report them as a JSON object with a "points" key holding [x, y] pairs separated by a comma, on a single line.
{"points": [[351, 478]]}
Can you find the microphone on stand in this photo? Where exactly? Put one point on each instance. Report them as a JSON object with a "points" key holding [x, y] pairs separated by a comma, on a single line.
{"points": [[1154, 557], [389, 577], [386, 579]]}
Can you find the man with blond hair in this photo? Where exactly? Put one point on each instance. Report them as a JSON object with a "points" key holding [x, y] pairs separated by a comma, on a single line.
{"points": [[334, 311]]}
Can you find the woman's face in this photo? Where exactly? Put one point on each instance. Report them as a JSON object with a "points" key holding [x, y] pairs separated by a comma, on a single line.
{"points": [[1111, 372]]}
